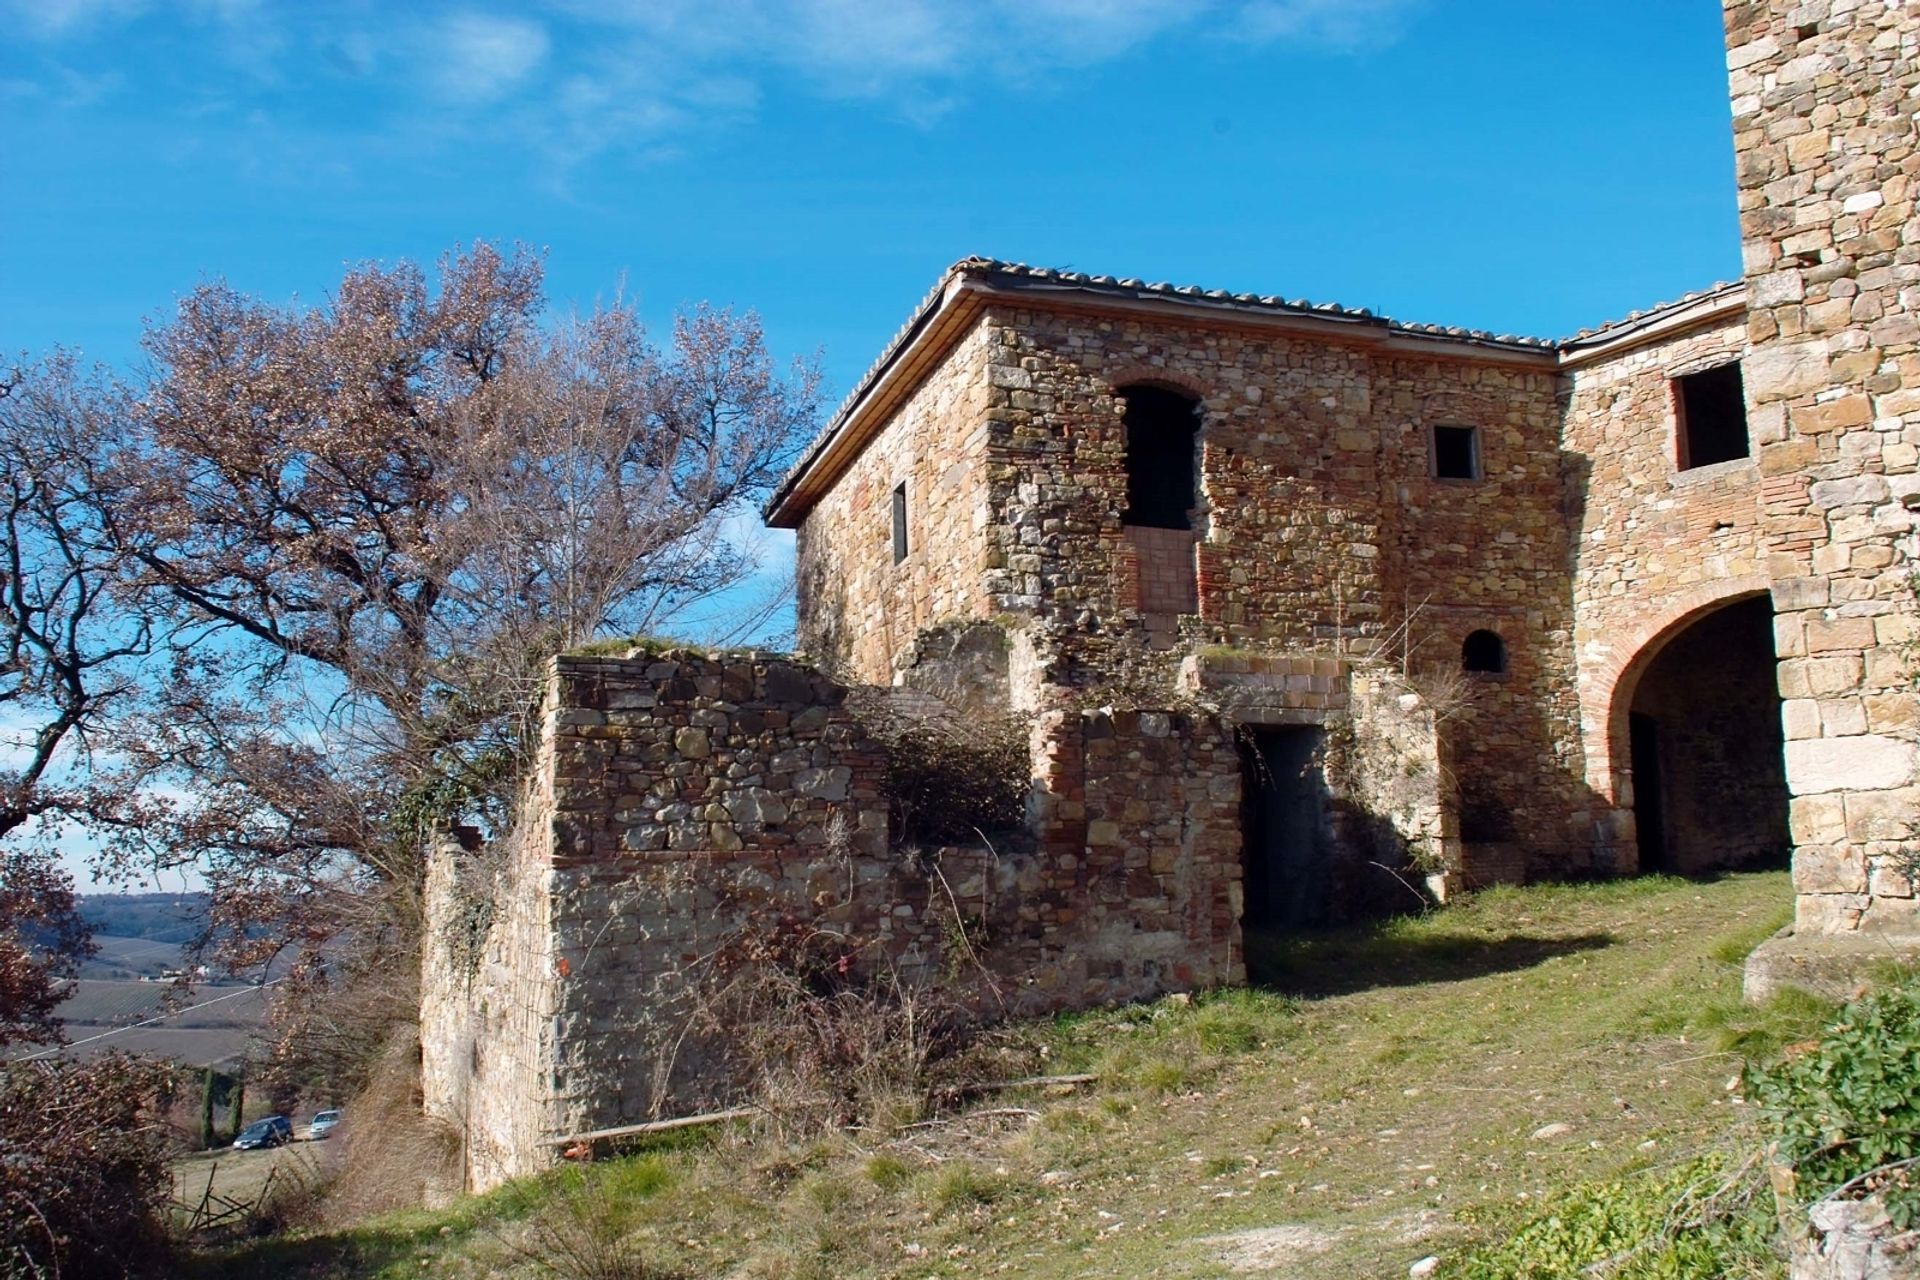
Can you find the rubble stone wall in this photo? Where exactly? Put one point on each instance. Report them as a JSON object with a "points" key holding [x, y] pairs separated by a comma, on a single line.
{"points": [[693, 813], [857, 608], [1827, 151], [1321, 528]]}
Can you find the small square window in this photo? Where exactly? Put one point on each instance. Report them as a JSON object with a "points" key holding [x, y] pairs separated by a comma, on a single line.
{"points": [[1456, 453], [899, 522], [1710, 412]]}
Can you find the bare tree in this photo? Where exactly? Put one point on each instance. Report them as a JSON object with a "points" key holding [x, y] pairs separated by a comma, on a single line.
{"points": [[363, 528], [69, 656], [71, 648]]}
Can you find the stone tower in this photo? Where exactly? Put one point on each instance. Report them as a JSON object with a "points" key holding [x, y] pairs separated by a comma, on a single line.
{"points": [[1825, 99]]}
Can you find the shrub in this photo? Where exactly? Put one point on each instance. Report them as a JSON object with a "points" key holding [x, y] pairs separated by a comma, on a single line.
{"points": [[586, 1233], [1700, 1221], [828, 1054], [951, 777], [84, 1180], [393, 1155], [1846, 1108]]}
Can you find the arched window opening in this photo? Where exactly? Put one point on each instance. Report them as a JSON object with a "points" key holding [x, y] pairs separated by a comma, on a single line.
{"points": [[1161, 428], [1484, 651]]}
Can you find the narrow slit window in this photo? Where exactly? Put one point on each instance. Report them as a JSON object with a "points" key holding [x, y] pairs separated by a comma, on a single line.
{"points": [[1485, 652], [899, 522], [1456, 453], [1710, 410]]}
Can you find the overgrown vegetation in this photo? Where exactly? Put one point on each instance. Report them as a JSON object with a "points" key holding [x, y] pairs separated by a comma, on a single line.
{"points": [[1845, 1108], [84, 1178], [1709, 1218], [951, 778], [1384, 1107], [818, 1037]]}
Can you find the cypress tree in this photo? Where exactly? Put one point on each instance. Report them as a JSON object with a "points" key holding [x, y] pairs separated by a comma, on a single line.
{"points": [[208, 1080], [239, 1096]]}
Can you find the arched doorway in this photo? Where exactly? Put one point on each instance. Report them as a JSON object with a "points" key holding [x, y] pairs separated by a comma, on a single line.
{"points": [[1703, 741]]}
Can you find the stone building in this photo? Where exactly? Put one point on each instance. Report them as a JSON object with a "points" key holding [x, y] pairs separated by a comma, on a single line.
{"points": [[1296, 605]]}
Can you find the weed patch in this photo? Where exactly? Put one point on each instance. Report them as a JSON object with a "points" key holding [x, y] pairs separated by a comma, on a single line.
{"points": [[1702, 1221]]}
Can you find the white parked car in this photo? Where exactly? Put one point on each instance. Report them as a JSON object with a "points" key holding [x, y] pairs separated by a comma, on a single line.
{"points": [[323, 1124]]}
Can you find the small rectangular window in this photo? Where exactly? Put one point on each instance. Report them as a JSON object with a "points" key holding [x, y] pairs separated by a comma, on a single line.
{"points": [[1710, 410], [899, 522], [1456, 453]]}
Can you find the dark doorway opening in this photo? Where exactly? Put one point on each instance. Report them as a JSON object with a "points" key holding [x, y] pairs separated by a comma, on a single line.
{"points": [[1649, 822], [1707, 750], [1161, 429], [1287, 854]]}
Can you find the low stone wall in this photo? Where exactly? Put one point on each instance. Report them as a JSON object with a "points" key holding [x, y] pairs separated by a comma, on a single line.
{"points": [[689, 813]]}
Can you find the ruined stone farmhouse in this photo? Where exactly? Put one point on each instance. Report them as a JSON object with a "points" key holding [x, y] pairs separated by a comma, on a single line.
{"points": [[1301, 611]]}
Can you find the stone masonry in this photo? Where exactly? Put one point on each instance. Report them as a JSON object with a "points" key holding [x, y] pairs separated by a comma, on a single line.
{"points": [[687, 807], [1322, 529], [1443, 608], [1824, 103]]}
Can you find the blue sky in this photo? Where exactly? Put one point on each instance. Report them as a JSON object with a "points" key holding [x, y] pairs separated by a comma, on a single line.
{"points": [[1533, 167]]}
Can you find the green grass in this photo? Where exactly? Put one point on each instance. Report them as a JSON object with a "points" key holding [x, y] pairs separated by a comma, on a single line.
{"points": [[1376, 1103]]}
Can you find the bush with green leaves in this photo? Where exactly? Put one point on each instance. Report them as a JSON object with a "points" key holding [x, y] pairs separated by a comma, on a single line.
{"points": [[1845, 1110], [1707, 1219]]}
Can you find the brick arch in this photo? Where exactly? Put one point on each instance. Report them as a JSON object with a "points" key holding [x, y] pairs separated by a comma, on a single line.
{"points": [[1607, 687], [1153, 375]]}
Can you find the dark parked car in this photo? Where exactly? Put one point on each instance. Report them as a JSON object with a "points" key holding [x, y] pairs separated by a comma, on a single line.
{"points": [[270, 1132]]}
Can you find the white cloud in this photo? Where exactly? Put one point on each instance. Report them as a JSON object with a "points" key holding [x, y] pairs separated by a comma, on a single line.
{"points": [[58, 19], [480, 58], [1339, 23], [577, 78]]}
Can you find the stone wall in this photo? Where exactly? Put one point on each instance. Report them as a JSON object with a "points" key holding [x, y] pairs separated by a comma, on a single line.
{"points": [[1828, 164], [1321, 527], [1391, 796], [693, 812], [1654, 547], [857, 608]]}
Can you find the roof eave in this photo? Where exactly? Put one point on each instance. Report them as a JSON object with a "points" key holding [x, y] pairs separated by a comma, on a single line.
{"points": [[1711, 306], [926, 338]]}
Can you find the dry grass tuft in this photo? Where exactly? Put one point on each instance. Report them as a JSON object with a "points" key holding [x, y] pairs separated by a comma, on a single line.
{"points": [[396, 1156]]}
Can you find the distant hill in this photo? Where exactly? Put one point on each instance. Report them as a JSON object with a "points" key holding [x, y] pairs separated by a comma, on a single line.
{"points": [[154, 917], [116, 957]]}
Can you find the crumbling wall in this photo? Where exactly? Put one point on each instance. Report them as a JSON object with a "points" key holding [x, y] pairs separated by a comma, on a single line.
{"points": [[1395, 786], [1827, 151], [690, 814], [1392, 817]]}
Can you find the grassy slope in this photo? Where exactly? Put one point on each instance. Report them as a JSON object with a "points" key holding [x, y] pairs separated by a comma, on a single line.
{"points": [[1370, 1117]]}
